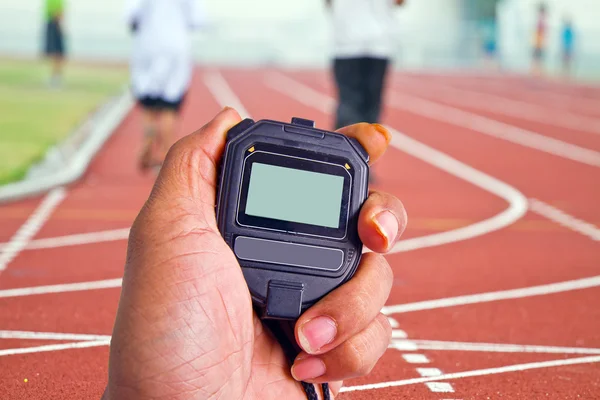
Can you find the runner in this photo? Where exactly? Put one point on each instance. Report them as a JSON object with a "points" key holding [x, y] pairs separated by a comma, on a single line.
{"points": [[363, 46], [161, 68], [54, 47]]}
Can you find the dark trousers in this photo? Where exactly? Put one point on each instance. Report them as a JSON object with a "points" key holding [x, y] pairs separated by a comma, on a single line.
{"points": [[360, 83]]}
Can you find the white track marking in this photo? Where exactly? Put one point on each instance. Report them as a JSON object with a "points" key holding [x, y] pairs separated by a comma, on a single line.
{"points": [[517, 202], [77, 239], [413, 358], [393, 323], [80, 238], [478, 372], [429, 371], [577, 284], [403, 345], [50, 336], [398, 334], [497, 129], [550, 99], [54, 347], [62, 288], [440, 387], [564, 219], [220, 89], [502, 105], [33, 224], [500, 347]]}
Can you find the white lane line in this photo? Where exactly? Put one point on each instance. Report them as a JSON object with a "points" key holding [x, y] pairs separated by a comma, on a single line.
{"points": [[564, 219], [403, 345], [429, 371], [517, 202], [33, 224], [398, 334], [220, 89], [77, 239], [497, 129], [501, 105], [500, 347], [393, 323], [61, 288], [413, 358], [544, 97], [559, 287], [54, 347], [440, 387], [478, 372], [80, 238], [51, 336]]}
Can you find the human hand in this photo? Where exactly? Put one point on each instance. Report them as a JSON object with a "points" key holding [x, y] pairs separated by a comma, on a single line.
{"points": [[185, 326]]}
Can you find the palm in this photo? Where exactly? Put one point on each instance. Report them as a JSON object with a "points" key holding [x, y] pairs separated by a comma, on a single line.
{"points": [[198, 334]]}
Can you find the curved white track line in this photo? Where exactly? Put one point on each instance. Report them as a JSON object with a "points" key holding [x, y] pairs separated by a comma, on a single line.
{"points": [[516, 200]]}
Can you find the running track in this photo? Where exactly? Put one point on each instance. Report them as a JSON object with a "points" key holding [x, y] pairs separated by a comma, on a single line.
{"points": [[497, 280]]}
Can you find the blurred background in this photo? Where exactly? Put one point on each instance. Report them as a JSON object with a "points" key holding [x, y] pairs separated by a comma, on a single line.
{"points": [[431, 35]]}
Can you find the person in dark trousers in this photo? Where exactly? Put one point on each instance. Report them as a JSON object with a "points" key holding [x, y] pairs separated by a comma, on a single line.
{"points": [[363, 45], [54, 47]]}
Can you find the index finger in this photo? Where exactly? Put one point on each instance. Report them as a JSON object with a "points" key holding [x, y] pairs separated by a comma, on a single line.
{"points": [[375, 138]]}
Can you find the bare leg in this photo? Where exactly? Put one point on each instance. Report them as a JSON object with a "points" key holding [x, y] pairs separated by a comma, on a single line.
{"points": [[167, 124], [56, 70], [57, 66], [150, 124]]}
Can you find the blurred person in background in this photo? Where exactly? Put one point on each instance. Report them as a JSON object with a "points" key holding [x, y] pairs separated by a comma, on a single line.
{"points": [[363, 45], [490, 45], [539, 41], [54, 46], [568, 45], [161, 68]]}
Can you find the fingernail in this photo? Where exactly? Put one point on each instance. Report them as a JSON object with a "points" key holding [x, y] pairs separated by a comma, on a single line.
{"points": [[316, 333], [308, 368], [386, 224], [383, 130]]}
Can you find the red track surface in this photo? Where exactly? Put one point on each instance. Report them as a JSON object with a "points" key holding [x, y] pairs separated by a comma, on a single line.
{"points": [[532, 250]]}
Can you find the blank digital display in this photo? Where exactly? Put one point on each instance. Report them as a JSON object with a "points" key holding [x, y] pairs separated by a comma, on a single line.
{"points": [[295, 195]]}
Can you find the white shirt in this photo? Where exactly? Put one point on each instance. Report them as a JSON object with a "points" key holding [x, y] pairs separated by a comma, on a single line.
{"points": [[363, 28], [161, 59]]}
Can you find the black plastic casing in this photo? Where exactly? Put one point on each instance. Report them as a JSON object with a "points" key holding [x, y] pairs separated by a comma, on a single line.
{"points": [[283, 291]]}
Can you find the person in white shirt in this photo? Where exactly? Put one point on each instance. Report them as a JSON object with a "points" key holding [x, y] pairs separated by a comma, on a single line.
{"points": [[363, 33], [161, 67]]}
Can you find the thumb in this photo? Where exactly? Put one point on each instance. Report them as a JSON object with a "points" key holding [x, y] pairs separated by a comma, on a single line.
{"points": [[190, 168]]}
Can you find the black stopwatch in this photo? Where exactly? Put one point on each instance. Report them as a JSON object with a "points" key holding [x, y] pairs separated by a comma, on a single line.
{"points": [[288, 202]]}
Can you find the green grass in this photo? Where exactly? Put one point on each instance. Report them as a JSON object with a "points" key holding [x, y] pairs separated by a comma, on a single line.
{"points": [[34, 117]]}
